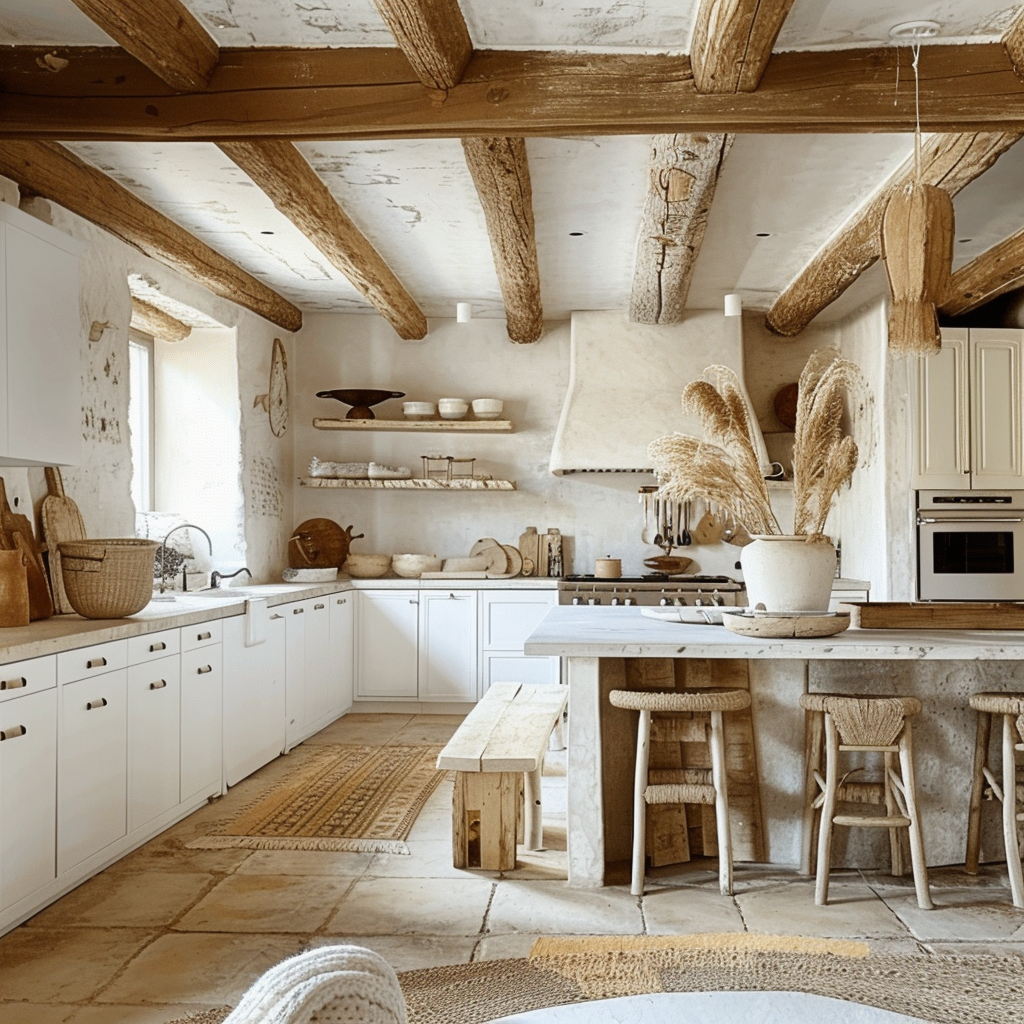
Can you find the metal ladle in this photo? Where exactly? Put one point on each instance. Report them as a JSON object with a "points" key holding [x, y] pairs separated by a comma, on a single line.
{"points": [[686, 540]]}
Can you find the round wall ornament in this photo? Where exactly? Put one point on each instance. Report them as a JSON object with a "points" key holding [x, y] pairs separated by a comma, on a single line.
{"points": [[275, 402]]}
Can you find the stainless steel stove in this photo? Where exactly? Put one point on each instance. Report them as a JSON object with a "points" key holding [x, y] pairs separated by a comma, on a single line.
{"points": [[651, 590]]}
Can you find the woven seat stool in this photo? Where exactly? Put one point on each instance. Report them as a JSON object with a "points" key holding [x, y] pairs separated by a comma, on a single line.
{"points": [[701, 790], [878, 725], [1010, 707]]}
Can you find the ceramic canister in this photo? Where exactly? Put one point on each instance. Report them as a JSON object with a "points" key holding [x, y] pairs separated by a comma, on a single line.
{"points": [[608, 568], [13, 589]]}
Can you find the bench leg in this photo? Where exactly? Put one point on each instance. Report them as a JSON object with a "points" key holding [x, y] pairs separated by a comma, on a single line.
{"points": [[534, 818], [484, 810]]}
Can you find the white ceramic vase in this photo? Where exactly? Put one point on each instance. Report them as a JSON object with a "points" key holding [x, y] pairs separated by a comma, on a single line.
{"points": [[788, 573]]}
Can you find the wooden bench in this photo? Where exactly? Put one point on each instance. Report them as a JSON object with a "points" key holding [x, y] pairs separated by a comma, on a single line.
{"points": [[497, 754]]}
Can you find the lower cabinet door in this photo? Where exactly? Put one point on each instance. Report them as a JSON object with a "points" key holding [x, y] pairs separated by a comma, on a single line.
{"points": [[154, 739], [386, 643], [319, 668], [202, 750], [295, 671], [342, 651], [448, 646], [28, 794], [519, 668], [92, 762]]}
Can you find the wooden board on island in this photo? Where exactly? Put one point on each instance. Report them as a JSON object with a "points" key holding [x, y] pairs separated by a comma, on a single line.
{"points": [[938, 615]]}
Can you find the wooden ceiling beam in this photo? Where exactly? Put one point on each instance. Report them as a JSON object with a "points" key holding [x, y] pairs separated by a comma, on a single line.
{"points": [[433, 36], [1013, 44], [57, 174], [157, 322], [501, 174], [370, 93], [163, 34], [950, 161], [996, 271], [282, 172], [732, 41], [683, 176]]}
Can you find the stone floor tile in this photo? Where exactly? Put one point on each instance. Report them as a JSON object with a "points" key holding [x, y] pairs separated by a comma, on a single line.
{"points": [[155, 856], [552, 908], [428, 729], [549, 863], [370, 730], [64, 965], [306, 862], [199, 968], [960, 915], [976, 948], [412, 906], [35, 1013], [266, 903], [690, 911], [788, 908], [145, 899], [409, 952], [503, 947], [990, 876], [156, 1014], [428, 858]]}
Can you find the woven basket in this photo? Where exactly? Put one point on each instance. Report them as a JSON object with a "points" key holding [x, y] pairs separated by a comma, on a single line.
{"points": [[108, 579]]}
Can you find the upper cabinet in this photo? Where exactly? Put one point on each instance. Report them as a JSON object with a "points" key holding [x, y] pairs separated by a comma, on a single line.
{"points": [[967, 416], [40, 343]]}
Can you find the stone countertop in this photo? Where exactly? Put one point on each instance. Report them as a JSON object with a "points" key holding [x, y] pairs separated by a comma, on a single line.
{"points": [[455, 583], [585, 632]]}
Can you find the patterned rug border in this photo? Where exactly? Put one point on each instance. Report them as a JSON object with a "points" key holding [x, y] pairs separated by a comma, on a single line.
{"points": [[213, 842], [567, 945]]}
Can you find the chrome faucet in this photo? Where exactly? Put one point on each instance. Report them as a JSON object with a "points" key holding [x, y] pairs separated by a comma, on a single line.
{"points": [[216, 577], [184, 571]]}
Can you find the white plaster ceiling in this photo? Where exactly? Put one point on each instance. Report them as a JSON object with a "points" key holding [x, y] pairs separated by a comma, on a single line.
{"points": [[414, 199]]}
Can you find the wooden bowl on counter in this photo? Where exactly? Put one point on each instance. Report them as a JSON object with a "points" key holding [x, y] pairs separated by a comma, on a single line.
{"points": [[366, 567], [668, 564], [413, 566]]}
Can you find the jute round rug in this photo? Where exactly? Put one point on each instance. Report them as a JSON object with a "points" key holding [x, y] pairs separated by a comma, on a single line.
{"points": [[943, 989]]}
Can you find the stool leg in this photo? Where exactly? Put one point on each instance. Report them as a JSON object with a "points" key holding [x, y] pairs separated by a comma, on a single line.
{"points": [[814, 723], [721, 784], [534, 837], [917, 858], [984, 730], [897, 866], [643, 743], [828, 810], [1013, 865]]}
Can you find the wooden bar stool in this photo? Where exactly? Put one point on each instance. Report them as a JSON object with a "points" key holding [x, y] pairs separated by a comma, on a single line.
{"points": [[1009, 706], [701, 790], [880, 725]]}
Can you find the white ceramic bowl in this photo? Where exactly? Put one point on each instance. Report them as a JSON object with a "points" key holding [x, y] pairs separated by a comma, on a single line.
{"points": [[418, 410], [412, 566], [487, 408], [452, 408], [366, 567]]}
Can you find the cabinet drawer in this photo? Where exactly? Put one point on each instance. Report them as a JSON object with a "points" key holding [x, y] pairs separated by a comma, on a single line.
{"points": [[151, 646], [91, 661], [201, 635], [23, 677]]}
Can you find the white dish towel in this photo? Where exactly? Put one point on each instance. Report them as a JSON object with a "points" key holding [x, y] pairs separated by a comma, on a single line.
{"points": [[255, 621]]}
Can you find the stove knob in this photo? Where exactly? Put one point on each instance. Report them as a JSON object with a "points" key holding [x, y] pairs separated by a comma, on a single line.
{"points": [[664, 599], [594, 600], [615, 601], [678, 602], [576, 599], [629, 600]]}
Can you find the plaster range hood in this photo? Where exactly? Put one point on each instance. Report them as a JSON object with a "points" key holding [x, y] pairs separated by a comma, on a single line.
{"points": [[625, 380]]}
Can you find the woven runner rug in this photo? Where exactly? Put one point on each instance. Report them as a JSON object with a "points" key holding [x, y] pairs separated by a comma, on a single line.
{"points": [[350, 798], [943, 989]]}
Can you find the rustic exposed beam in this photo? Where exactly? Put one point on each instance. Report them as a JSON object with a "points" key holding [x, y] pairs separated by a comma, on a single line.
{"points": [[996, 271], [55, 173], [162, 34], [1013, 43], [364, 93], [433, 35], [152, 320], [732, 41], [295, 189], [501, 174], [950, 161], [684, 173]]}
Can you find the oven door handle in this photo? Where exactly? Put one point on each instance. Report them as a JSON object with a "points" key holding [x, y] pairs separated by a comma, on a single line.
{"points": [[922, 521]]}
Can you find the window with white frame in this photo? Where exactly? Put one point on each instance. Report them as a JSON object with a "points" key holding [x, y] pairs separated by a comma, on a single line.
{"points": [[140, 418]]}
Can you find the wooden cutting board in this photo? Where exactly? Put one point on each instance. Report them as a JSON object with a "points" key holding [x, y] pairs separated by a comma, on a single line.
{"points": [[18, 534], [62, 521], [319, 544], [945, 615]]}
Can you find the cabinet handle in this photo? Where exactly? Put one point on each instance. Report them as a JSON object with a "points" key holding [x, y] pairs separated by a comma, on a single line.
{"points": [[12, 734], [340, 600], [411, 601], [93, 704], [452, 597], [277, 616], [298, 611], [203, 636], [96, 663], [13, 684], [157, 647], [158, 686], [318, 607], [202, 671]]}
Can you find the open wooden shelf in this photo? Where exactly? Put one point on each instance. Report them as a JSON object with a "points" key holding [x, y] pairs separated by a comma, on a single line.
{"points": [[418, 426], [409, 485]]}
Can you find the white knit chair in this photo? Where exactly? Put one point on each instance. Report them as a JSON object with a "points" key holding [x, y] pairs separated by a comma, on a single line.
{"points": [[330, 985]]}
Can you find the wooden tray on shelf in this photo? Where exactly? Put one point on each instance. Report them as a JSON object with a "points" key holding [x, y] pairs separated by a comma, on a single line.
{"points": [[940, 615]]}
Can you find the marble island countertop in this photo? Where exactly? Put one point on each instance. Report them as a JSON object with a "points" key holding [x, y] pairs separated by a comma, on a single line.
{"points": [[586, 632]]}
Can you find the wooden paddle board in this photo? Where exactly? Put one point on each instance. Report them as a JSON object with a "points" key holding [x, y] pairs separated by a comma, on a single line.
{"points": [[21, 536], [62, 521]]}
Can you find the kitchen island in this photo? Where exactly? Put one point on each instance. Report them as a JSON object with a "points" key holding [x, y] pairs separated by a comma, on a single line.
{"points": [[941, 667]]}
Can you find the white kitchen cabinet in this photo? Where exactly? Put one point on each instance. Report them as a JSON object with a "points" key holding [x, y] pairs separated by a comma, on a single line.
{"points": [[447, 660], [91, 766], [318, 696], [507, 618], [40, 343], [202, 753], [967, 417], [154, 738], [254, 697], [342, 651], [387, 644], [28, 794], [499, 667]]}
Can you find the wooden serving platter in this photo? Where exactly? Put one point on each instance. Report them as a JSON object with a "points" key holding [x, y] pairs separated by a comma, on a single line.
{"points": [[926, 615]]}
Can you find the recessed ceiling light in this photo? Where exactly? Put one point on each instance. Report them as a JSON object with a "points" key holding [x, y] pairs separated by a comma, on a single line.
{"points": [[763, 234], [915, 30]]}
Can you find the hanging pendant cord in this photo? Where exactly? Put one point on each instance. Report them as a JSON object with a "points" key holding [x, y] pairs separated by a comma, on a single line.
{"points": [[916, 50]]}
